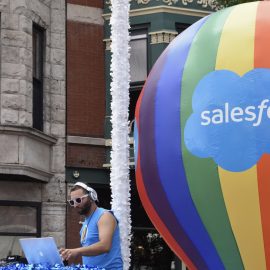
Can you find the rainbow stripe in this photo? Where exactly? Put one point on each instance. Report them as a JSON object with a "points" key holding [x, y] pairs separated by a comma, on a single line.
{"points": [[211, 218]]}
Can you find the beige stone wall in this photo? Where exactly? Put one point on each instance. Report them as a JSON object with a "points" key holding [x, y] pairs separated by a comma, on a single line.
{"points": [[17, 17]]}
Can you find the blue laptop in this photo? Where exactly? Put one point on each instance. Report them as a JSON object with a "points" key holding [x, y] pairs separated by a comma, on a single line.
{"points": [[41, 251]]}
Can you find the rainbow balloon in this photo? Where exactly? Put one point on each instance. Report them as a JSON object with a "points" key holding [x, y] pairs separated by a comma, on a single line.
{"points": [[202, 156]]}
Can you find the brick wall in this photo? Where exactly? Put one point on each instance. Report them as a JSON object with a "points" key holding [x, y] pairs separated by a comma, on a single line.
{"points": [[85, 93], [85, 156], [85, 79]]}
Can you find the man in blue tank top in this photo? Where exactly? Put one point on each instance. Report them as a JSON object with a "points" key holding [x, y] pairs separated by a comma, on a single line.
{"points": [[100, 240]]}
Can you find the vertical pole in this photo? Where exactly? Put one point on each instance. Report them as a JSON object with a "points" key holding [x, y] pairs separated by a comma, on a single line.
{"points": [[120, 72]]}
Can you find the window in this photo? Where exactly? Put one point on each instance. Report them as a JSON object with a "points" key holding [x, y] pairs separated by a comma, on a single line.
{"points": [[38, 52], [19, 220], [138, 55], [180, 27], [138, 66], [134, 93], [149, 251]]}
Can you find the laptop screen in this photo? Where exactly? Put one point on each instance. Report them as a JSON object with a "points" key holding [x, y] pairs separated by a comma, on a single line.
{"points": [[41, 251]]}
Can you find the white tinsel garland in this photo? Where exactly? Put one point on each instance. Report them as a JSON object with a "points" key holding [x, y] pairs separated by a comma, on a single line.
{"points": [[120, 73]]}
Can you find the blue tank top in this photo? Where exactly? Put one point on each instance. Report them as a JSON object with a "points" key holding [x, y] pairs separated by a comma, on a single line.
{"points": [[89, 235]]}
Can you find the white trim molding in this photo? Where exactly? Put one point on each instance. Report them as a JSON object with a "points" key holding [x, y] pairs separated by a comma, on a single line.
{"points": [[163, 36], [85, 14], [86, 140], [108, 165], [108, 43], [93, 141]]}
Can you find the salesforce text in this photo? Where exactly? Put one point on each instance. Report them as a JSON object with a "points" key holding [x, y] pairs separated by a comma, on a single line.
{"points": [[236, 114]]}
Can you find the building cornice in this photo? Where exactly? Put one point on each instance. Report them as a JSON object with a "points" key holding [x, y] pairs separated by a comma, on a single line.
{"points": [[27, 172], [203, 3], [29, 132], [163, 9]]}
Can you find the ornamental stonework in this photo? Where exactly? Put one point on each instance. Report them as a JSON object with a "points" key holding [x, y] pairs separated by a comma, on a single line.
{"points": [[162, 37], [203, 3]]}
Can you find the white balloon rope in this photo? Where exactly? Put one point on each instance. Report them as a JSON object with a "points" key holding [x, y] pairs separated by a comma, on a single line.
{"points": [[120, 73]]}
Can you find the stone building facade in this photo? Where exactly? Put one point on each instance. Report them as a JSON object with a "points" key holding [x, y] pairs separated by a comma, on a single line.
{"points": [[32, 121]]}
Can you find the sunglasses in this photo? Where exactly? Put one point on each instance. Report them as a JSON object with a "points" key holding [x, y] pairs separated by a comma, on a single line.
{"points": [[77, 200]]}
